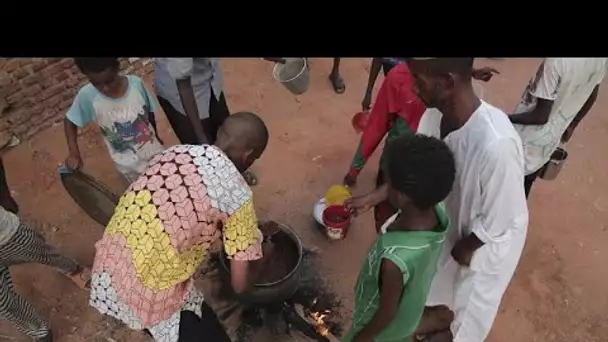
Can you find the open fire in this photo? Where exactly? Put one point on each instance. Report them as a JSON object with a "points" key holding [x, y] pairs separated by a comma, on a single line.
{"points": [[319, 320], [312, 311], [313, 324]]}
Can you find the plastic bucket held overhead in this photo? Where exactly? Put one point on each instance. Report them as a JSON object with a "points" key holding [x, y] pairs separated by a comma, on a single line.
{"points": [[554, 165], [293, 74]]}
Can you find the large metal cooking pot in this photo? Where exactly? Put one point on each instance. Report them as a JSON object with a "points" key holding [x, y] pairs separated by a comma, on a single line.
{"points": [[279, 290]]}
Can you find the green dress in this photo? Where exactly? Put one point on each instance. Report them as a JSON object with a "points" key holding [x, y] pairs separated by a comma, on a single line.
{"points": [[416, 254]]}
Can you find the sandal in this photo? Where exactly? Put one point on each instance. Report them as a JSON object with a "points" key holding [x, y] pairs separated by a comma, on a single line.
{"points": [[82, 279], [337, 82]]}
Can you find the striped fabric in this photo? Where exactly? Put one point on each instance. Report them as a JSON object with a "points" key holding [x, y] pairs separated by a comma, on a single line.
{"points": [[27, 246]]}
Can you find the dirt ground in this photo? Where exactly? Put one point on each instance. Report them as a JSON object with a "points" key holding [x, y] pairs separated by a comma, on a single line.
{"points": [[559, 290]]}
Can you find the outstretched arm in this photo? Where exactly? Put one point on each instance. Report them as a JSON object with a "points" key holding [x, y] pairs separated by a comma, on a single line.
{"points": [[484, 74]]}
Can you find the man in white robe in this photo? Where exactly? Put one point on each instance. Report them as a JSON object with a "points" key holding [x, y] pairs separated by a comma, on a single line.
{"points": [[487, 206]]}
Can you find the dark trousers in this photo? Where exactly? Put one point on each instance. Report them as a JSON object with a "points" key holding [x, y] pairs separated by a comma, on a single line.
{"points": [[205, 329], [218, 112], [529, 180]]}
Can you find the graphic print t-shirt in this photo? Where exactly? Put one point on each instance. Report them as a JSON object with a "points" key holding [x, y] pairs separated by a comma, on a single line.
{"points": [[123, 123]]}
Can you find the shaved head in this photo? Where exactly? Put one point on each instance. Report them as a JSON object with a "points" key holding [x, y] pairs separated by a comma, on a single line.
{"points": [[248, 129], [243, 137], [436, 80], [462, 66]]}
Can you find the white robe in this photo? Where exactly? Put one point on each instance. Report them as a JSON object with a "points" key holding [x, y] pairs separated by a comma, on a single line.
{"points": [[487, 199]]}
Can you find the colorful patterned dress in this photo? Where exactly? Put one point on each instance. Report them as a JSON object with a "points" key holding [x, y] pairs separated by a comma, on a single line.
{"points": [[188, 197]]}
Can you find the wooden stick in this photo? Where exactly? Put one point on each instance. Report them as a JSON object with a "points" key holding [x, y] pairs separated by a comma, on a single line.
{"points": [[300, 311]]}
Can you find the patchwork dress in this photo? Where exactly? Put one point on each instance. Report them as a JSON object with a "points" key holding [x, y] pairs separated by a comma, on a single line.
{"points": [[188, 197]]}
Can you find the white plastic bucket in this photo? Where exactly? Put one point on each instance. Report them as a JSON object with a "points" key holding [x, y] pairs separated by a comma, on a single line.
{"points": [[293, 74]]}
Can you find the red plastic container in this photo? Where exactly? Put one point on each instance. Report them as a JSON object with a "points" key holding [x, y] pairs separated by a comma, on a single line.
{"points": [[337, 221], [359, 121]]}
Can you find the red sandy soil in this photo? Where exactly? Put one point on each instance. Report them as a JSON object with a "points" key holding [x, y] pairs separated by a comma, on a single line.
{"points": [[559, 290]]}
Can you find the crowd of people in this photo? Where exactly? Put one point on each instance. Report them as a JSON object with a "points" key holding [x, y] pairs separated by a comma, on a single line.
{"points": [[450, 198]]}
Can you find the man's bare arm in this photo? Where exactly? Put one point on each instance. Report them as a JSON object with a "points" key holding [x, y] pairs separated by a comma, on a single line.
{"points": [[186, 94], [537, 116]]}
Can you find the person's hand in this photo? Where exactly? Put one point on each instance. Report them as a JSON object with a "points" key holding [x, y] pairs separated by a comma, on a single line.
{"points": [[350, 180], [463, 250], [366, 104], [73, 162], [462, 254], [484, 74], [358, 205], [269, 228], [567, 134], [279, 60]]}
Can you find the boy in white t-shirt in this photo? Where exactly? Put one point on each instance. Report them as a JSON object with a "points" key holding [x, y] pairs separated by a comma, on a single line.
{"points": [[553, 104], [122, 108]]}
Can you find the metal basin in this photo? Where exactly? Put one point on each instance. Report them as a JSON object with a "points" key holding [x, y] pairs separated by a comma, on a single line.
{"points": [[93, 197], [276, 291]]}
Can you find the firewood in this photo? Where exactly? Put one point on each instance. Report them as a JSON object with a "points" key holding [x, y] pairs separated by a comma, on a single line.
{"points": [[300, 311]]}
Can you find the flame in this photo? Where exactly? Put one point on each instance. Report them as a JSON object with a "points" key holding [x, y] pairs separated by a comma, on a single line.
{"points": [[319, 319]]}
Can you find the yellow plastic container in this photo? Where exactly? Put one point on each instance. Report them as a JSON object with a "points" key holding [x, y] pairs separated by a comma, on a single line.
{"points": [[337, 195]]}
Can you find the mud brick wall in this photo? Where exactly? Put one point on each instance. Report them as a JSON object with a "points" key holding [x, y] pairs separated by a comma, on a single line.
{"points": [[36, 92]]}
